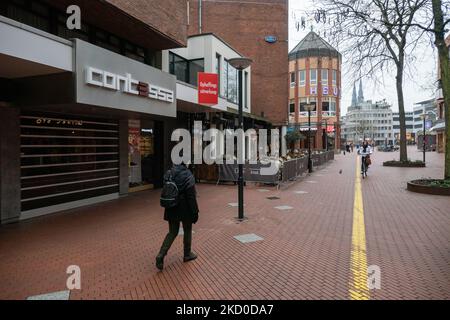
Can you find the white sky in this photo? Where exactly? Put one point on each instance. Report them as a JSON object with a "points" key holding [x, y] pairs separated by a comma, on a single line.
{"points": [[416, 88]]}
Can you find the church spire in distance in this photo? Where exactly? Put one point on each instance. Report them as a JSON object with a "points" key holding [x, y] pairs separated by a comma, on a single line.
{"points": [[354, 102], [360, 94]]}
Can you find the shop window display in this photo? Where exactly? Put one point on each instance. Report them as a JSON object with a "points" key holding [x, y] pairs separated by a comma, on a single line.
{"points": [[141, 154]]}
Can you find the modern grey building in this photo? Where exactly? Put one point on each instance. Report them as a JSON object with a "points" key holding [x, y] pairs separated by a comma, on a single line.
{"points": [[410, 132], [367, 120]]}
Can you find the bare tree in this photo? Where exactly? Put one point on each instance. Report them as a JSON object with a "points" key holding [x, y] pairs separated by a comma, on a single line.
{"points": [[435, 19], [376, 36], [443, 53]]}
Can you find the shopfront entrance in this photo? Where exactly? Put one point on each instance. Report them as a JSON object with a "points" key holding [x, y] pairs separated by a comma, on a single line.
{"points": [[66, 159], [141, 155]]}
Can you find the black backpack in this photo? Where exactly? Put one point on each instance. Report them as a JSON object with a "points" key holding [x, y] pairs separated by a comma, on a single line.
{"points": [[169, 194]]}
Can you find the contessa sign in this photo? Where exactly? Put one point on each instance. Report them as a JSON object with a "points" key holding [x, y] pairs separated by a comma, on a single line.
{"points": [[107, 79], [208, 88], [127, 84]]}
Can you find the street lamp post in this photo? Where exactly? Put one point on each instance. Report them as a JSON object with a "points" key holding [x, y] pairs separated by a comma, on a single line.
{"points": [[326, 134], [240, 64], [424, 142], [309, 108]]}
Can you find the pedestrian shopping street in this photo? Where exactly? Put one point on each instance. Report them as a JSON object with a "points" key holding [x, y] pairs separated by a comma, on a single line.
{"points": [[311, 243]]}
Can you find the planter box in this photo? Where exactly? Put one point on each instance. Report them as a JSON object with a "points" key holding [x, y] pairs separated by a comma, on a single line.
{"points": [[414, 186], [399, 164]]}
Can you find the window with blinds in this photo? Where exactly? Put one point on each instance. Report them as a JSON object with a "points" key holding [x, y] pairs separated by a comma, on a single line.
{"points": [[65, 159]]}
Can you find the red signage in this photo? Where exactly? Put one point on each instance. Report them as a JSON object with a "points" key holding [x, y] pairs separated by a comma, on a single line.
{"points": [[208, 88]]}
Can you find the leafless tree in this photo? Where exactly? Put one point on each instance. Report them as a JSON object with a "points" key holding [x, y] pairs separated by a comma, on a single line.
{"points": [[377, 36]]}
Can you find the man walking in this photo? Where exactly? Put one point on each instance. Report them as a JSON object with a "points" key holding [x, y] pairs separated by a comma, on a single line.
{"points": [[185, 211]]}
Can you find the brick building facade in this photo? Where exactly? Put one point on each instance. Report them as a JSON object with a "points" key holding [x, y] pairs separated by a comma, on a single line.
{"points": [[245, 26], [315, 78]]}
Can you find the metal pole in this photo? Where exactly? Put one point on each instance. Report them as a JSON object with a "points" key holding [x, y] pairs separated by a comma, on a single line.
{"points": [[424, 141], [200, 16], [241, 165], [309, 142]]}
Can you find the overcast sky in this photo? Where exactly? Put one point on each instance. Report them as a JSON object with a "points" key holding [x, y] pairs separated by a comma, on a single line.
{"points": [[416, 88]]}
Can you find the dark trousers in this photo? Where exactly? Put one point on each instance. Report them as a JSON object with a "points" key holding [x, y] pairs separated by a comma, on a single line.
{"points": [[174, 228]]}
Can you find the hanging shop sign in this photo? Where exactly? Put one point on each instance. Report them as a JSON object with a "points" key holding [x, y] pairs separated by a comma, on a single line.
{"points": [[313, 90], [127, 84], [325, 90], [208, 88]]}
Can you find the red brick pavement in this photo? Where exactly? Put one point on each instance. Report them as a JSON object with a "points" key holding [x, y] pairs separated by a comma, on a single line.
{"points": [[305, 253], [407, 234]]}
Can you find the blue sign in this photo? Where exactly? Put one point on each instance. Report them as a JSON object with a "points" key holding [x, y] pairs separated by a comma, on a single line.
{"points": [[271, 39]]}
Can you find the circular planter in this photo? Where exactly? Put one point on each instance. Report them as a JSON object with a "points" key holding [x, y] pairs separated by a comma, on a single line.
{"points": [[400, 164], [423, 186]]}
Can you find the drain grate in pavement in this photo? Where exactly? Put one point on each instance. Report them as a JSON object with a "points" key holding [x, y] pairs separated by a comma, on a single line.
{"points": [[247, 238], [283, 208], [273, 198], [60, 295]]}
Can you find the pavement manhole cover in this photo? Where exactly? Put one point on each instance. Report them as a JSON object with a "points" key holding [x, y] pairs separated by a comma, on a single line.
{"points": [[273, 198], [247, 238]]}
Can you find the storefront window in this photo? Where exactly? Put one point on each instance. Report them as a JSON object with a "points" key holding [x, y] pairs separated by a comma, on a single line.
{"points": [[140, 154], [232, 94], [185, 70], [67, 158]]}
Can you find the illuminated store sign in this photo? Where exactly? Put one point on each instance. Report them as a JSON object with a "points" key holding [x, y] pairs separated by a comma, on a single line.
{"points": [[127, 84]]}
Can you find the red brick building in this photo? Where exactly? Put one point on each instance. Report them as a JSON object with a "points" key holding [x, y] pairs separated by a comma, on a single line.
{"points": [[315, 78], [245, 26]]}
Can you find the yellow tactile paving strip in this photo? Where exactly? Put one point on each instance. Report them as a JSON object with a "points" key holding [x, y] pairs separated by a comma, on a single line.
{"points": [[358, 289]]}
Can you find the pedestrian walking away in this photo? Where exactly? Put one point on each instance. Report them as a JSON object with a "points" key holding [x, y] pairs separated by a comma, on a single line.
{"points": [[179, 197]]}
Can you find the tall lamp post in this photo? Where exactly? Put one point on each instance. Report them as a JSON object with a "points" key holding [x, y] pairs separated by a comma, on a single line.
{"points": [[309, 108], [424, 142], [240, 64]]}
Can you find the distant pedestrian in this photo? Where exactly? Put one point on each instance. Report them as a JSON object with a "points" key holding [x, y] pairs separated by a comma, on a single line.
{"points": [[180, 204], [347, 148], [351, 146]]}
